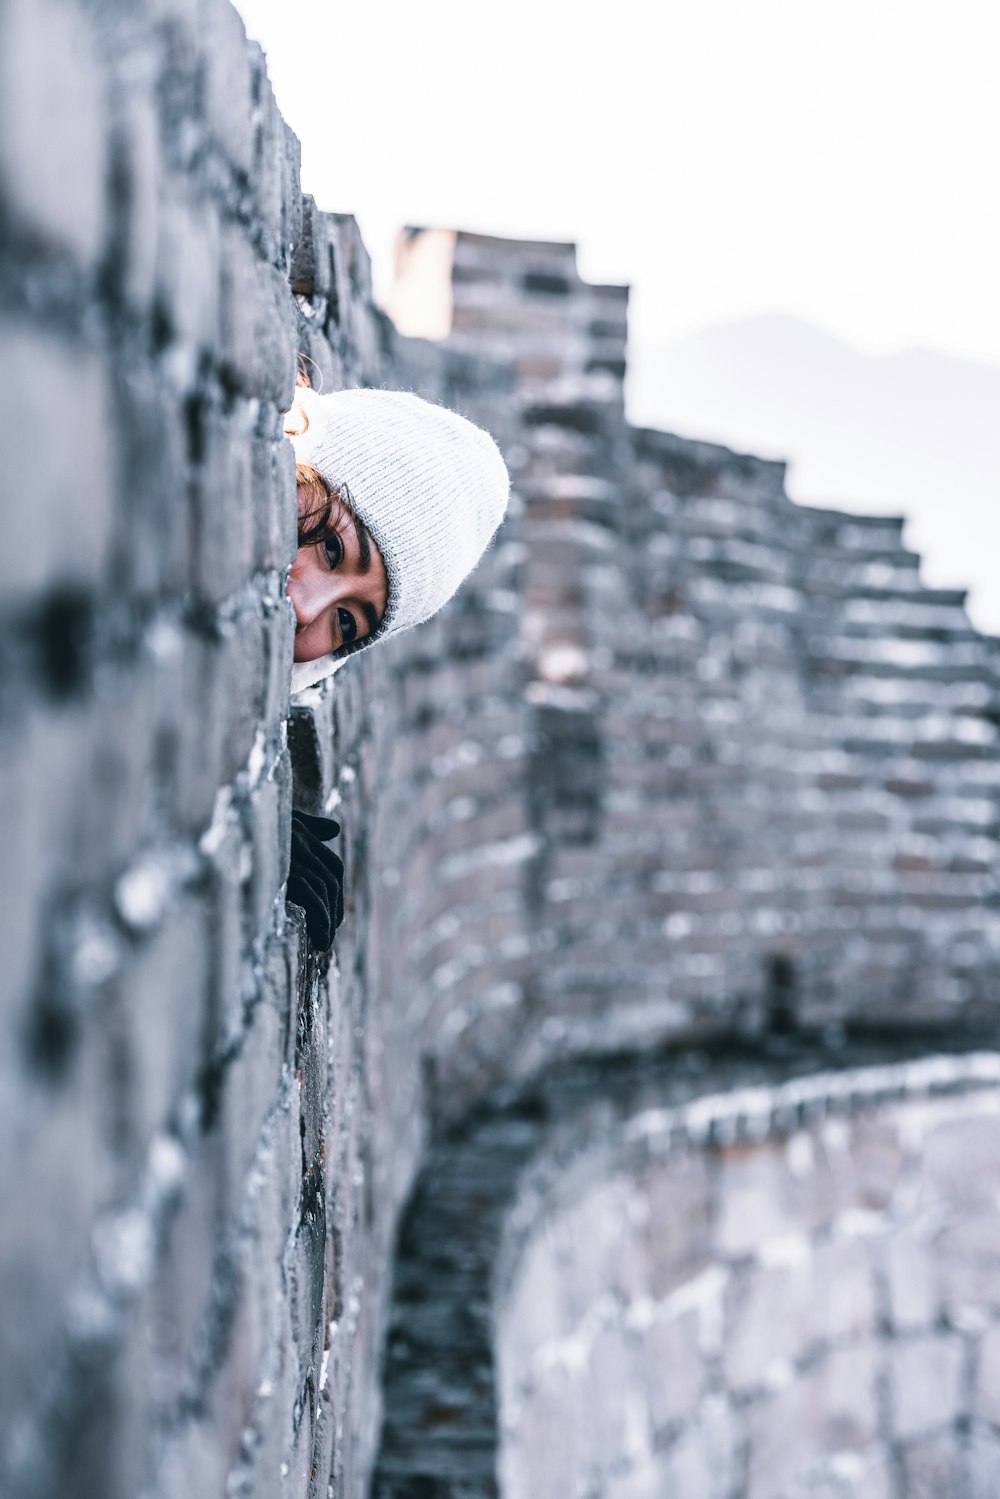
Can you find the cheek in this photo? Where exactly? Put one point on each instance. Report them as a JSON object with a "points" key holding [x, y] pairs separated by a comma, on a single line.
{"points": [[312, 641], [305, 559]]}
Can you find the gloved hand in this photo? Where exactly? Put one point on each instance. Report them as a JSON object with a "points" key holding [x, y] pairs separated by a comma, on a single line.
{"points": [[316, 877]]}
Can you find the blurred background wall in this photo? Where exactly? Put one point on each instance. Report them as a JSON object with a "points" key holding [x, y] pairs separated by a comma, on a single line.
{"points": [[692, 790]]}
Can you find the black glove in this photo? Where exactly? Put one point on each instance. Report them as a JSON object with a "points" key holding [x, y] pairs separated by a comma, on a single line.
{"points": [[316, 877]]}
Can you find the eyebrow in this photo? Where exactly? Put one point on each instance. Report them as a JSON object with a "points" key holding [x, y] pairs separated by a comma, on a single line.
{"points": [[364, 545], [364, 565]]}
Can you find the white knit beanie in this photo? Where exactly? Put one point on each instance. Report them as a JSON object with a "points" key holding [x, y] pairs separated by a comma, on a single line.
{"points": [[430, 486]]}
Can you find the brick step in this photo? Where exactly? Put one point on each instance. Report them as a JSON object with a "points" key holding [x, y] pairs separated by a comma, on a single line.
{"points": [[843, 528]]}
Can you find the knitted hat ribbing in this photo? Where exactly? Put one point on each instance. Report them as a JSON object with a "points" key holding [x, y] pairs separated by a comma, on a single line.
{"points": [[430, 486]]}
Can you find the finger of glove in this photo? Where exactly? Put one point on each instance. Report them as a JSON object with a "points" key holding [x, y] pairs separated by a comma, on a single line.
{"points": [[323, 828], [314, 900], [333, 873], [306, 867], [306, 890], [323, 863], [324, 867], [338, 903]]}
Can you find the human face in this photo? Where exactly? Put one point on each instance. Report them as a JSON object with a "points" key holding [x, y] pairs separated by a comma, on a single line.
{"points": [[338, 587]]}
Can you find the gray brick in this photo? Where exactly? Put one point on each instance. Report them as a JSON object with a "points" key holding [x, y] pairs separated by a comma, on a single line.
{"points": [[223, 513], [53, 88], [703, 1460], [23, 876], [153, 518], [226, 80], [932, 1469], [912, 1279], [115, 753], [987, 1397], [676, 1369], [55, 1154], [273, 491], [71, 475], [257, 334], [925, 1375], [829, 1410], [198, 734], [983, 1464], [139, 147], [269, 831], [967, 1252], [187, 275], [163, 1004], [243, 685], [774, 1327], [274, 191]]}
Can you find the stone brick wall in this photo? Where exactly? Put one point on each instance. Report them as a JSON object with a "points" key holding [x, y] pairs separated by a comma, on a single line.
{"points": [[760, 772], [764, 760], [647, 1274], [783, 1310], [682, 763], [207, 1132], [151, 1197], [193, 1249]]}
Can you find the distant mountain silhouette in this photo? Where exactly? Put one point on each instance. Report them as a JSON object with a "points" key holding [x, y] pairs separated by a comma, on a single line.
{"points": [[915, 433]]}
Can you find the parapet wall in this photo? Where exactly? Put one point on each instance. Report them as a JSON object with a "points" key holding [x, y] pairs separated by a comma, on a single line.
{"points": [[682, 762], [743, 1274], [771, 1292], [773, 750], [187, 1205]]}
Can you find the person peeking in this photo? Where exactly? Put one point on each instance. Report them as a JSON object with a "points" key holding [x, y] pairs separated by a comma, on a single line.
{"points": [[398, 499]]}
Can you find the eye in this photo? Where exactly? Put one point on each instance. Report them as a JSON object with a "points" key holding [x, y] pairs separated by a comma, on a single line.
{"points": [[334, 549], [348, 625]]}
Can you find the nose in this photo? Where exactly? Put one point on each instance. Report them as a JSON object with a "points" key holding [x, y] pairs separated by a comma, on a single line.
{"points": [[313, 590]]}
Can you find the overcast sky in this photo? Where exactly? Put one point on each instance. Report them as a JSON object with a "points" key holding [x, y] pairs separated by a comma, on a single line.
{"points": [[727, 157]]}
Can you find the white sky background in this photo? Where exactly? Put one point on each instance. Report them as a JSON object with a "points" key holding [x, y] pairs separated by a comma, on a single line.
{"points": [[836, 162]]}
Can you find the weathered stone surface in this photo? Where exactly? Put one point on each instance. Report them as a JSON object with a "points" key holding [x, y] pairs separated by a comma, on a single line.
{"points": [[77, 462], [968, 1261], [844, 1302], [772, 1326], [700, 847], [788, 1342], [983, 1464], [672, 1370], [535, 1464], [677, 1235], [828, 1410], [961, 1158], [53, 89], [702, 1460], [932, 1468], [925, 1383], [877, 1156], [912, 1274], [754, 1203], [987, 1397], [845, 1475]]}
